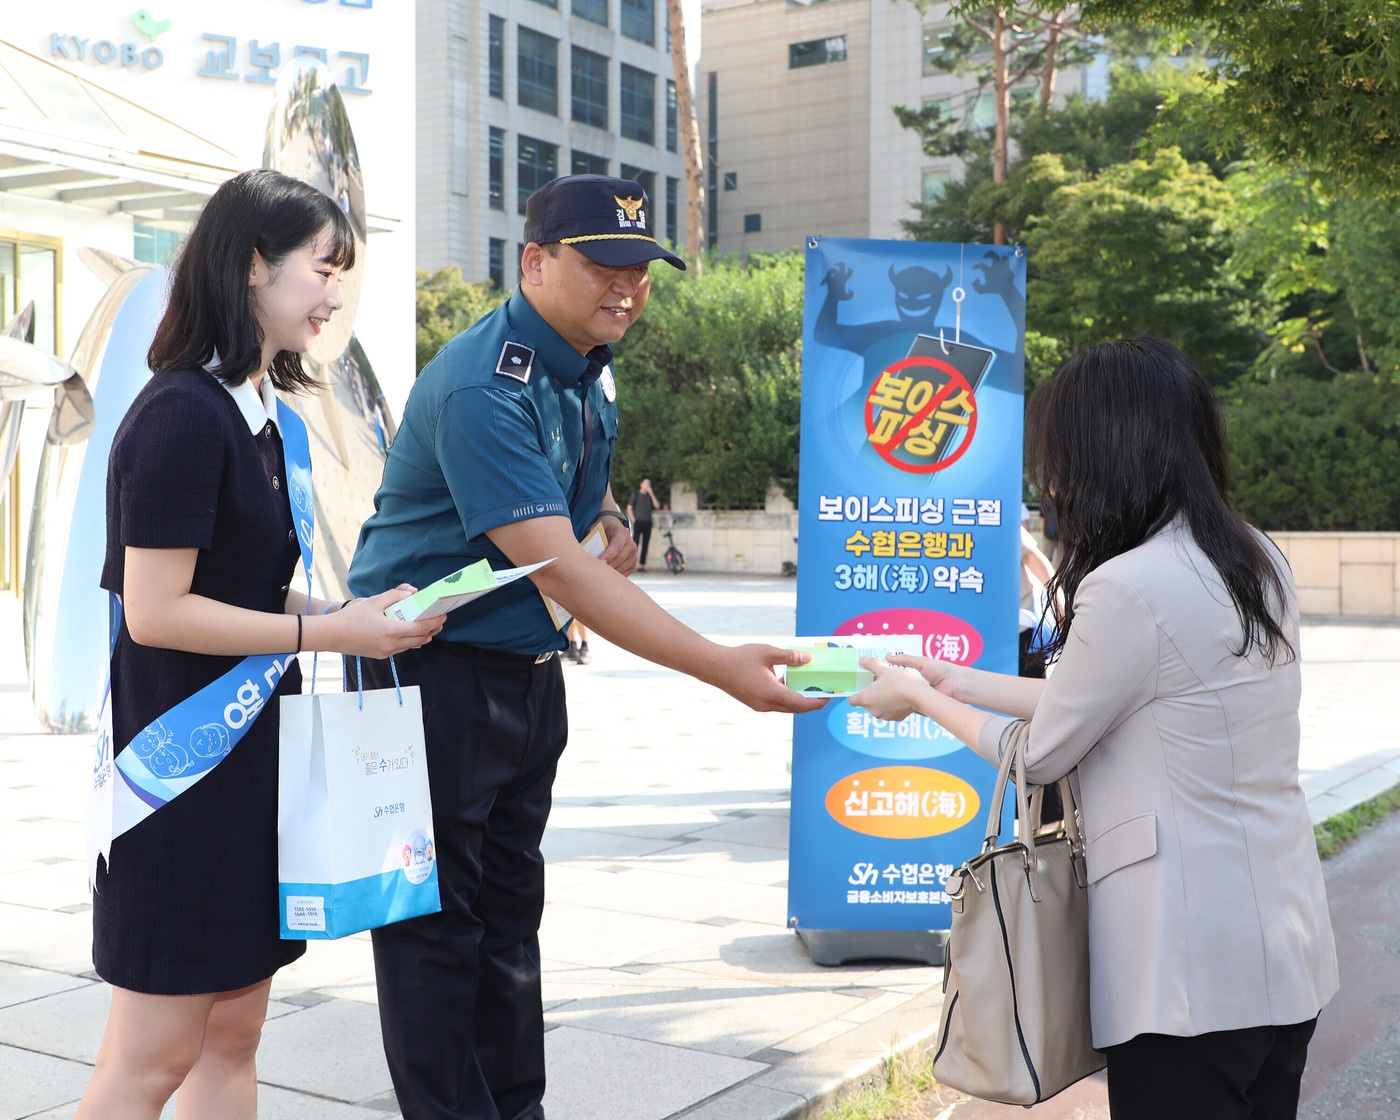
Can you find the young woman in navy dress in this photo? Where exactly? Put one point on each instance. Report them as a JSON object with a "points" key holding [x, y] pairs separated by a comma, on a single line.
{"points": [[202, 551]]}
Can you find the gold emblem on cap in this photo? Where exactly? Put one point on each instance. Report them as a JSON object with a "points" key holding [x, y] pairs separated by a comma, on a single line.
{"points": [[630, 205]]}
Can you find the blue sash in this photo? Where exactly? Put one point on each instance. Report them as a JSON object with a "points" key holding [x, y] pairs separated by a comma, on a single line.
{"points": [[180, 747]]}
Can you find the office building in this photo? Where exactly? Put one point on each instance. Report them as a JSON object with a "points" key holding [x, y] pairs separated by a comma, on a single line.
{"points": [[794, 100], [512, 93]]}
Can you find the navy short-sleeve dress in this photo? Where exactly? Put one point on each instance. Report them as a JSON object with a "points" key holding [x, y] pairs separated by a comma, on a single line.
{"points": [[188, 901]]}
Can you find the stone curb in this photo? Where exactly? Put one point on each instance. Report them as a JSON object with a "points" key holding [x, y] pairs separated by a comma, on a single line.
{"points": [[816, 1078]]}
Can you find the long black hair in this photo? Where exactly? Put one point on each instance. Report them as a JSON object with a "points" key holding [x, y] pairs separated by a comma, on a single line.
{"points": [[1125, 437], [211, 311]]}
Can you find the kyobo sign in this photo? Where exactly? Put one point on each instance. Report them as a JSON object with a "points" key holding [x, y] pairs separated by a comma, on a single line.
{"points": [[224, 57], [106, 51]]}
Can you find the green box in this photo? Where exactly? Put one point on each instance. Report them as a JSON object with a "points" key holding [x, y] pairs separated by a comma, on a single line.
{"points": [[833, 670], [451, 591]]}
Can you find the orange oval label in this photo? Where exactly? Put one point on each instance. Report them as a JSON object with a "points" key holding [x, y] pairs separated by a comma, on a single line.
{"points": [[902, 802]]}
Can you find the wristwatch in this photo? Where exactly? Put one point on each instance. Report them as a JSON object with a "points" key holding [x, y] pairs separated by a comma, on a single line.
{"points": [[626, 524]]}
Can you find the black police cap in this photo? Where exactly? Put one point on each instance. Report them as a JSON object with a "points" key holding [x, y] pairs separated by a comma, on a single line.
{"points": [[607, 220]]}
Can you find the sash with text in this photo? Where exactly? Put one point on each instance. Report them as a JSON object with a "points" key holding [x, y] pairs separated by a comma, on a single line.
{"points": [[186, 743]]}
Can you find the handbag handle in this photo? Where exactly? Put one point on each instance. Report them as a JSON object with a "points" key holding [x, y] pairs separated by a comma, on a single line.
{"points": [[1008, 759], [1028, 807]]}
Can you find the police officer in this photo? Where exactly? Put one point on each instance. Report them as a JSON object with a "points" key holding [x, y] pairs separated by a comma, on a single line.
{"points": [[504, 452]]}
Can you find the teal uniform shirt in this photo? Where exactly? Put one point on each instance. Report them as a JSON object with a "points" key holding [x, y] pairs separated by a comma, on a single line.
{"points": [[493, 433]]}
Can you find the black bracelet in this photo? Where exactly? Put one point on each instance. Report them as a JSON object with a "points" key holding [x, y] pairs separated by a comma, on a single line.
{"points": [[298, 649]]}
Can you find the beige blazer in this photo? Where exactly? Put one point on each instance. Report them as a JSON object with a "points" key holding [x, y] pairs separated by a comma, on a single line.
{"points": [[1207, 910]]}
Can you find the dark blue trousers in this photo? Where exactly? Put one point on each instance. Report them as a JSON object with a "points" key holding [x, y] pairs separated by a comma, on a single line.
{"points": [[1249, 1074], [641, 535], [459, 991]]}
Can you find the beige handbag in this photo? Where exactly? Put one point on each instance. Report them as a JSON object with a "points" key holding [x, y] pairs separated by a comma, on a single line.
{"points": [[1015, 1023]]}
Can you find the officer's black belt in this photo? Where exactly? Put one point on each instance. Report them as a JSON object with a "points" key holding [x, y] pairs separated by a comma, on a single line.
{"points": [[470, 652]]}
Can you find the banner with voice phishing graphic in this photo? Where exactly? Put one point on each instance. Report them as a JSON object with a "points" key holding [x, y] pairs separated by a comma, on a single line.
{"points": [[909, 523]]}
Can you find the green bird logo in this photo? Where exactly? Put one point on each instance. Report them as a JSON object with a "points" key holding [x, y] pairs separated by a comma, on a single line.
{"points": [[149, 26]]}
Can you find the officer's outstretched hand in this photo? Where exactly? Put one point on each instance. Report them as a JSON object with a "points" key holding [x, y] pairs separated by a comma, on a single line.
{"points": [[621, 553], [746, 673]]}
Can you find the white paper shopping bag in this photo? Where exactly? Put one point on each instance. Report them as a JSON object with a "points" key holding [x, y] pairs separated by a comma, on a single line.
{"points": [[354, 817]]}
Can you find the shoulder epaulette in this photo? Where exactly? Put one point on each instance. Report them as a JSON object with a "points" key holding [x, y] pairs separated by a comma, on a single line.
{"points": [[516, 360]]}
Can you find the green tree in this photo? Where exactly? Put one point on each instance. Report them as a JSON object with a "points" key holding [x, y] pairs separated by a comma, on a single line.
{"points": [[1329, 266], [1311, 83], [709, 385], [965, 211], [1284, 243], [448, 305], [1316, 455], [1006, 44], [1146, 108], [1366, 237], [1144, 248]]}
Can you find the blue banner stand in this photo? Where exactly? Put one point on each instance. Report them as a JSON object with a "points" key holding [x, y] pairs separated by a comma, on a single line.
{"points": [[909, 521], [831, 947]]}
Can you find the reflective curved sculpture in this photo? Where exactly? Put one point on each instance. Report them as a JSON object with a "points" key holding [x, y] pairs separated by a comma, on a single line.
{"points": [[21, 329], [308, 136], [65, 610], [26, 371]]}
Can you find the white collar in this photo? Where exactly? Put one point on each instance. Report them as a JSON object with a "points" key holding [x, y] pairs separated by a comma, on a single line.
{"points": [[258, 405]]}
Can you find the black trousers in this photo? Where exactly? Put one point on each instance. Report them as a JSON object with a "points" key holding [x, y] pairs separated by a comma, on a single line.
{"points": [[641, 533], [459, 991], [1250, 1074]]}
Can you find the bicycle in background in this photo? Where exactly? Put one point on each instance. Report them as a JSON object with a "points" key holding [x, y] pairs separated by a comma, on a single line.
{"points": [[674, 557], [790, 566]]}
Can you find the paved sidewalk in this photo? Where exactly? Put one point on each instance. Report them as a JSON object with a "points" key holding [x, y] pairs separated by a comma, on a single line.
{"points": [[672, 986]]}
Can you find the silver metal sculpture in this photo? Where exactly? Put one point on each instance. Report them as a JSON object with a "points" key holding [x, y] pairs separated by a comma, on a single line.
{"points": [[26, 371], [309, 138], [65, 610], [20, 330]]}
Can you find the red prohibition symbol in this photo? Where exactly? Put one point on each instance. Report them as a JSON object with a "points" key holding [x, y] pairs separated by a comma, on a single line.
{"points": [[908, 402]]}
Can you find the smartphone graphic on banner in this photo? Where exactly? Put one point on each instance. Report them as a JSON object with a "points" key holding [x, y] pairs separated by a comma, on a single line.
{"points": [[972, 362]]}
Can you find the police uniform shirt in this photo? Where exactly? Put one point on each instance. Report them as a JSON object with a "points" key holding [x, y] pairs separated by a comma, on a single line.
{"points": [[493, 433]]}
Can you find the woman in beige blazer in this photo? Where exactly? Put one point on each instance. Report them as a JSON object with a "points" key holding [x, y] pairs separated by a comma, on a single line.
{"points": [[1174, 701]]}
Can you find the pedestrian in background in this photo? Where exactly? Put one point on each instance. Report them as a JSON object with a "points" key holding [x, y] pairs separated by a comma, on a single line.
{"points": [[505, 453], [201, 550], [578, 643], [1173, 704], [639, 512]]}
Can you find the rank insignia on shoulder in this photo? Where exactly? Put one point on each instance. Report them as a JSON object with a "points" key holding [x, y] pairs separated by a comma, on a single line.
{"points": [[515, 361]]}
